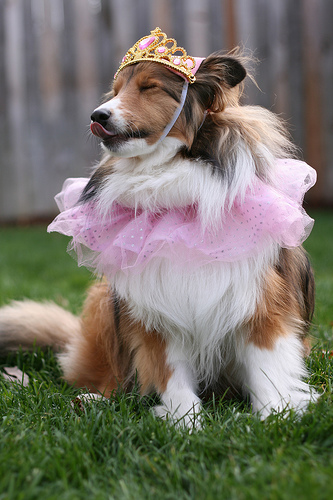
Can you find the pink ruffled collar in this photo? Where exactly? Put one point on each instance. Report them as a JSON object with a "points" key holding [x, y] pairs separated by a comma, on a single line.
{"points": [[127, 240]]}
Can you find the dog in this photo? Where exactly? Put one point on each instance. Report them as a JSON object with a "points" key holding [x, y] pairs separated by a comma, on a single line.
{"points": [[194, 219]]}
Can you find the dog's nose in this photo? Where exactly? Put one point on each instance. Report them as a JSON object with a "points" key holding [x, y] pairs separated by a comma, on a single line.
{"points": [[101, 115]]}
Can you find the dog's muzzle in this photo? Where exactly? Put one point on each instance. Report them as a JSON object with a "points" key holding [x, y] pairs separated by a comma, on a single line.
{"points": [[99, 122]]}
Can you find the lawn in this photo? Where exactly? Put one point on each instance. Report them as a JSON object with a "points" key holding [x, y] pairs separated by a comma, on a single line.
{"points": [[116, 449]]}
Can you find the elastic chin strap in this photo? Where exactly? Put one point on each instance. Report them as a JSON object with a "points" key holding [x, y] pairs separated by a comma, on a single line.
{"points": [[176, 113]]}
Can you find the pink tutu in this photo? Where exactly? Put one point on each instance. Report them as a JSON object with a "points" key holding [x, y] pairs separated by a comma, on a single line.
{"points": [[128, 240]]}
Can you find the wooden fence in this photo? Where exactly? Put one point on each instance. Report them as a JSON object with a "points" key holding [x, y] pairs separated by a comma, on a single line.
{"points": [[58, 56]]}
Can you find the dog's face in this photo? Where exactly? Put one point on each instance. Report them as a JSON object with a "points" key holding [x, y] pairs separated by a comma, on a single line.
{"points": [[146, 95], [142, 102]]}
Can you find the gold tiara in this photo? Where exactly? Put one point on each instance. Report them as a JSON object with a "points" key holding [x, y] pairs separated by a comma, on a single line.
{"points": [[157, 47]]}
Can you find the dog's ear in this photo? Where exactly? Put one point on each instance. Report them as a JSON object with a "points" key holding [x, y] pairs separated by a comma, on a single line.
{"points": [[217, 74]]}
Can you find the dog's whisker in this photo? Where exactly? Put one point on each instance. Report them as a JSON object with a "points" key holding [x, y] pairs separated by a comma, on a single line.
{"points": [[131, 125]]}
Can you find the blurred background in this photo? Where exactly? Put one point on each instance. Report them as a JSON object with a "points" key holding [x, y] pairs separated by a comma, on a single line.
{"points": [[57, 57]]}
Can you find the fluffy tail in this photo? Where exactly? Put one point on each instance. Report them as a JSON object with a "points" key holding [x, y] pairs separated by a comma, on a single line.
{"points": [[30, 323]]}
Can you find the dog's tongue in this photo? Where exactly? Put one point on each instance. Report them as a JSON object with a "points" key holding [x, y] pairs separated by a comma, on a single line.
{"points": [[98, 130]]}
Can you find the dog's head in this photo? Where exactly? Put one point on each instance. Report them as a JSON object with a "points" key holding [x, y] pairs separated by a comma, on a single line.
{"points": [[145, 96]]}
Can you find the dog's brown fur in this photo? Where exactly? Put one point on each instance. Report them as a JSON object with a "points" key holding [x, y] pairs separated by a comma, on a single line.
{"points": [[113, 350]]}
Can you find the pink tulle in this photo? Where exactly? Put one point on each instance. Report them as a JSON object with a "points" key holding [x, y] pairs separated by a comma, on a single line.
{"points": [[123, 239]]}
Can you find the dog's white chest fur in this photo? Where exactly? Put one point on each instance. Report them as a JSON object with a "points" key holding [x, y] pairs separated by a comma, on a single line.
{"points": [[199, 311]]}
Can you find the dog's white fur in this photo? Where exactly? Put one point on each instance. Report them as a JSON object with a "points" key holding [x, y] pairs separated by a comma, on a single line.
{"points": [[274, 378]]}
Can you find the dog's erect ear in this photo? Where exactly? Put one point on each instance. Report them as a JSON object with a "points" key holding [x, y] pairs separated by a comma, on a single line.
{"points": [[234, 71], [223, 67], [218, 73]]}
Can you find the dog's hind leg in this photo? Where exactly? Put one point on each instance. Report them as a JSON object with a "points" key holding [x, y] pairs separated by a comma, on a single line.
{"points": [[97, 358], [114, 349]]}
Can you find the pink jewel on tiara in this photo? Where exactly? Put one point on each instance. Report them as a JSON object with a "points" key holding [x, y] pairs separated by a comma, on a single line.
{"points": [[161, 50], [146, 42], [176, 61]]}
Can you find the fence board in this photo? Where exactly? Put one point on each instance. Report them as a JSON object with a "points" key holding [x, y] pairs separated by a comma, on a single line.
{"points": [[313, 109], [326, 75], [124, 22], [197, 21], [58, 56], [14, 69], [5, 151], [161, 10]]}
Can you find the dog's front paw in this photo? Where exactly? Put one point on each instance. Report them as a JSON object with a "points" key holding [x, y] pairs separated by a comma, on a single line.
{"points": [[185, 415], [275, 378], [296, 400]]}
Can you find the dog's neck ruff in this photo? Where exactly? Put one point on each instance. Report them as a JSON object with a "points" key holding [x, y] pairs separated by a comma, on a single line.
{"points": [[126, 240]]}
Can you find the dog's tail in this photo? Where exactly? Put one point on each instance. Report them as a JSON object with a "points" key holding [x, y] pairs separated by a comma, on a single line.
{"points": [[28, 323]]}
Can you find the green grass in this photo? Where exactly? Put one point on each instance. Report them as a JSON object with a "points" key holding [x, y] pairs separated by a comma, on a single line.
{"points": [[34, 264], [116, 449], [320, 247]]}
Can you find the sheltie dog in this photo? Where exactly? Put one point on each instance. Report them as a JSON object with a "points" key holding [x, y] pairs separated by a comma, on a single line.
{"points": [[215, 293]]}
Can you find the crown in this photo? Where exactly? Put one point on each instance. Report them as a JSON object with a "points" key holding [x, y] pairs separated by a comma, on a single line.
{"points": [[157, 47]]}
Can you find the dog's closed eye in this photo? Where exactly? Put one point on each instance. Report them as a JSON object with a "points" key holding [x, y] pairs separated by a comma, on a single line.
{"points": [[147, 86]]}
